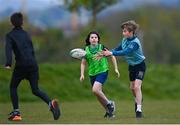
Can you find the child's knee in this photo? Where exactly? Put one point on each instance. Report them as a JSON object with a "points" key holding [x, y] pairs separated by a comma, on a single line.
{"points": [[95, 91], [137, 88]]}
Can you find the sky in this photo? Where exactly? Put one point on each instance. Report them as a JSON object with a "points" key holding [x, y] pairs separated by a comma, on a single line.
{"points": [[43, 4], [29, 4], [37, 10]]}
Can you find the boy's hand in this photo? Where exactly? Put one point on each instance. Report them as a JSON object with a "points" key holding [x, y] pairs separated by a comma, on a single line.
{"points": [[117, 72], [107, 52], [7, 67], [81, 78]]}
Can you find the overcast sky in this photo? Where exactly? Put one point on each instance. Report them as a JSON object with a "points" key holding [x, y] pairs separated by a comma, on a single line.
{"points": [[30, 4]]}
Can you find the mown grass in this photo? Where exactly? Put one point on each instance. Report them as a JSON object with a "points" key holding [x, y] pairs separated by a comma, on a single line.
{"points": [[164, 112], [78, 104], [160, 93]]}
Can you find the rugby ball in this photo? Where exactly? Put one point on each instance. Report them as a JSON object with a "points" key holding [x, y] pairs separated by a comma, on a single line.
{"points": [[77, 53]]}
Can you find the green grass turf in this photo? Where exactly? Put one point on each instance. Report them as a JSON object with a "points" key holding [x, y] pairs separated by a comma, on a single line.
{"points": [[163, 111]]}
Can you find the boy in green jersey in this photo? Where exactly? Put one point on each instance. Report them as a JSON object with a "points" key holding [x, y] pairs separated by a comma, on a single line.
{"points": [[98, 71]]}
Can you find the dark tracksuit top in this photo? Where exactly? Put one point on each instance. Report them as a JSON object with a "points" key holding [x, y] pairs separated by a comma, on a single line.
{"points": [[20, 42]]}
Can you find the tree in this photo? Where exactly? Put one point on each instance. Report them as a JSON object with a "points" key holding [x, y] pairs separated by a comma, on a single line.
{"points": [[93, 5], [73, 6], [96, 6]]}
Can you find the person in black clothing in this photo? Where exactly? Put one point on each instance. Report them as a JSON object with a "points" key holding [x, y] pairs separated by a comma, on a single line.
{"points": [[19, 42]]}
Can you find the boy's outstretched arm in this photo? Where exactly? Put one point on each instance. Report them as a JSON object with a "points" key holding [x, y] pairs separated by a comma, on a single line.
{"points": [[132, 47], [115, 66], [83, 65]]}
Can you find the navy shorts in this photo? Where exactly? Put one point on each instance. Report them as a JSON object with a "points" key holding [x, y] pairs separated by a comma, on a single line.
{"points": [[137, 71], [101, 78]]}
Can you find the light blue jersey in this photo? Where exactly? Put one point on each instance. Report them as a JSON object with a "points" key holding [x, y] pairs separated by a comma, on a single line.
{"points": [[132, 50]]}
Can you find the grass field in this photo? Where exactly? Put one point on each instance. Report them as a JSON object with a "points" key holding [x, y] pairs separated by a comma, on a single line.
{"points": [[163, 111]]}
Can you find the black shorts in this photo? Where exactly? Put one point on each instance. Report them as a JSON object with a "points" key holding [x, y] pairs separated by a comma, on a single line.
{"points": [[137, 71]]}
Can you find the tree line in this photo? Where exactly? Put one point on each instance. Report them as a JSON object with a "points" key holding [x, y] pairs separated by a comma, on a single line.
{"points": [[159, 33]]}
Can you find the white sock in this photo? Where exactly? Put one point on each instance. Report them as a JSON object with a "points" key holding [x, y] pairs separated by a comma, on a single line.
{"points": [[139, 108], [16, 109], [109, 102]]}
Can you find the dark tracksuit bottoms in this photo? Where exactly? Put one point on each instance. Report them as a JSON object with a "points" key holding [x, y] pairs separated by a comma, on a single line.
{"points": [[31, 75]]}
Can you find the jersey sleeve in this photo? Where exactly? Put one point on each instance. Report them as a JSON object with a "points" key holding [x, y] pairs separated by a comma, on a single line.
{"points": [[132, 47], [8, 51]]}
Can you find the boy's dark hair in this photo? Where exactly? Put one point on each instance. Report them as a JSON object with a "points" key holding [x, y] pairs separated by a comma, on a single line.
{"points": [[17, 19], [131, 26], [87, 38]]}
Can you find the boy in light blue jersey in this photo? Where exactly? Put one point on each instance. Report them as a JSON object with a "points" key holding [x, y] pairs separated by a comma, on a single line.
{"points": [[131, 48]]}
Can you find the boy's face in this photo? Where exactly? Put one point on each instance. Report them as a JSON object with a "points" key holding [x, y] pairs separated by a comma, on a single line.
{"points": [[126, 33], [93, 39]]}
